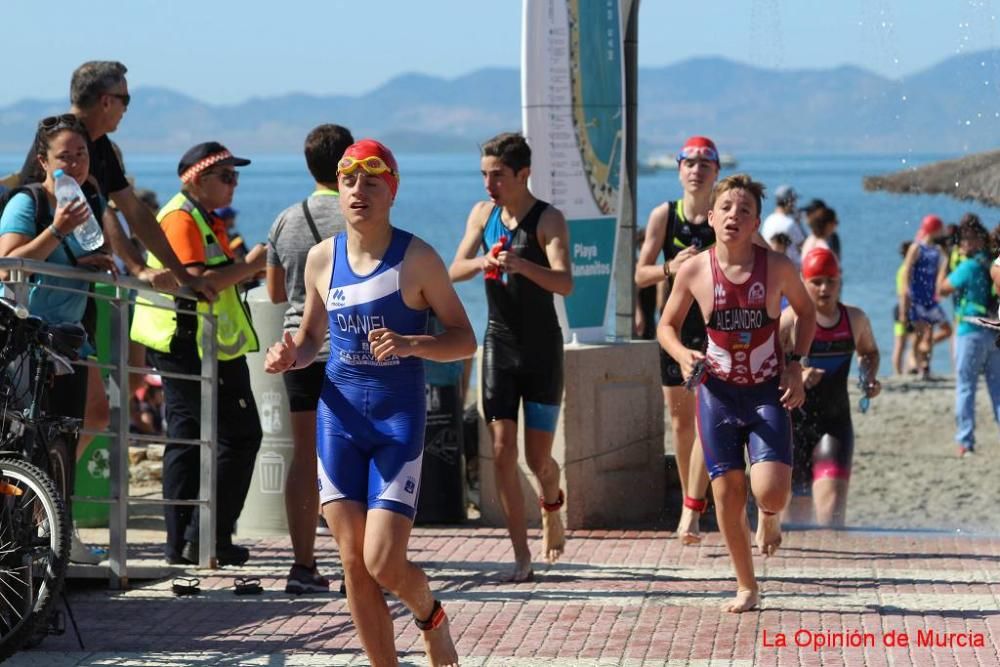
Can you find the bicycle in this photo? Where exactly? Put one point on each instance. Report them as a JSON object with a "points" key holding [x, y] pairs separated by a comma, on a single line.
{"points": [[34, 478]]}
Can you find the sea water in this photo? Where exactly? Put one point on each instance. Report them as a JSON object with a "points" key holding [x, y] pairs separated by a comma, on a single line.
{"points": [[437, 191]]}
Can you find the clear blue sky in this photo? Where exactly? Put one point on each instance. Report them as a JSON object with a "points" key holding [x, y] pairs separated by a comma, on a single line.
{"points": [[228, 50]]}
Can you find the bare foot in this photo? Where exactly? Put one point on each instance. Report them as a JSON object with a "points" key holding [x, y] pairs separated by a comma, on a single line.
{"points": [[768, 533], [553, 536], [522, 573], [745, 600], [440, 649], [687, 528]]}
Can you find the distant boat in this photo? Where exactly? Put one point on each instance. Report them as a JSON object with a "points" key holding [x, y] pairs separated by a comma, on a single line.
{"points": [[665, 162]]}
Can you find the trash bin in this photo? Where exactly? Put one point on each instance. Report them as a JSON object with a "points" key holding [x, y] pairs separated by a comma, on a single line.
{"points": [[264, 510], [93, 470], [442, 483]]}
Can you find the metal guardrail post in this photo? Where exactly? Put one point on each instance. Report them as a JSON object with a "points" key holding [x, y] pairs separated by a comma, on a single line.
{"points": [[209, 488], [118, 513]]}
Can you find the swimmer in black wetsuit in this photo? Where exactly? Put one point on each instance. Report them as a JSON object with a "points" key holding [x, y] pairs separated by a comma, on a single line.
{"points": [[525, 260], [679, 231], [823, 432]]}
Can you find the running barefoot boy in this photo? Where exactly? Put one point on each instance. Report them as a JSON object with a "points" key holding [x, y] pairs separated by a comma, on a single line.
{"points": [[373, 285], [525, 261], [749, 386]]}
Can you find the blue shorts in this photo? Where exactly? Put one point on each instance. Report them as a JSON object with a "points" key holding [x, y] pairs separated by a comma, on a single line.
{"points": [[932, 314], [370, 444], [733, 417]]}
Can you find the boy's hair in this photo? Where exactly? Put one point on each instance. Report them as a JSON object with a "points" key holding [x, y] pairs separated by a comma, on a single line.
{"points": [[324, 147], [511, 148], [739, 182], [782, 239], [819, 219], [904, 247]]}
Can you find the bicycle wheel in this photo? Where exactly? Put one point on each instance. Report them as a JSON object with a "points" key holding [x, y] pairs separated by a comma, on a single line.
{"points": [[34, 550]]}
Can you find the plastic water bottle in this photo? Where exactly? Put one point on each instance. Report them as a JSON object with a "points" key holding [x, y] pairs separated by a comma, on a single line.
{"points": [[89, 234]]}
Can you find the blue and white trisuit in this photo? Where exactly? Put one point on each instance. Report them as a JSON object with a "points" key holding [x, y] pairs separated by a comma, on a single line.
{"points": [[371, 414]]}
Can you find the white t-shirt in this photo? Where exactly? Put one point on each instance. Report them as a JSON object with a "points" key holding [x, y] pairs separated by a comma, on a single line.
{"points": [[782, 223]]}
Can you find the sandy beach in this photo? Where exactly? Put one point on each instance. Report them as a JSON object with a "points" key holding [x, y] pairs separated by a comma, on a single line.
{"points": [[906, 472]]}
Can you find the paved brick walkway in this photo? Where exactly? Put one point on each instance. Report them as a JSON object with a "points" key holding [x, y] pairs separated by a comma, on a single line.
{"points": [[618, 598]]}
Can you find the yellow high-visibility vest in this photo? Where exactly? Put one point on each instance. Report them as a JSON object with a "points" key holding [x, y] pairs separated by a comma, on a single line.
{"points": [[155, 327]]}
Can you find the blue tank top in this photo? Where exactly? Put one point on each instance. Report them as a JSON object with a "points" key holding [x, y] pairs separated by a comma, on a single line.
{"points": [[923, 275], [357, 304]]}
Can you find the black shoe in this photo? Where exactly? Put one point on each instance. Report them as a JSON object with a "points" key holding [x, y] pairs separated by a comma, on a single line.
{"points": [[225, 554]]}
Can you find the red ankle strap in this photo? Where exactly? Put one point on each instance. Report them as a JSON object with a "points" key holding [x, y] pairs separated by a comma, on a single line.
{"points": [[694, 504], [552, 507], [436, 618]]}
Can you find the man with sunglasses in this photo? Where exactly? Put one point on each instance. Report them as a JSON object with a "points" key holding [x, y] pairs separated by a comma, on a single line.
{"points": [[173, 342], [99, 98], [371, 287], [294, 233], [679, 230]]}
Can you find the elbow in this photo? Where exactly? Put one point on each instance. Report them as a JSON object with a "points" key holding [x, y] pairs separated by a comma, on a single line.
{"points": [[566, 288], [467, 346]]}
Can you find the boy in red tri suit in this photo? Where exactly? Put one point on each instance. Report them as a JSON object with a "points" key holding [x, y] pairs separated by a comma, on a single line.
{"points": [[749, 386]]}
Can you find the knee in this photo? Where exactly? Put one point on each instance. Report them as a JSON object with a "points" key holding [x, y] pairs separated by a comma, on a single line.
{"points": [[382, 569], [505, 452], [772, 499], [353, 560], [540, 464]]}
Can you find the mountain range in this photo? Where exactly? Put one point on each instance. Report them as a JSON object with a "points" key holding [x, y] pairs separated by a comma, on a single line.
{"points": [[953, 106]]}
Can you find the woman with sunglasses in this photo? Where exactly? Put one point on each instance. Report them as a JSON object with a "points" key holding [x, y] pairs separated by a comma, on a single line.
{"points": [[823, 436], [34, 227], [373, 286]]}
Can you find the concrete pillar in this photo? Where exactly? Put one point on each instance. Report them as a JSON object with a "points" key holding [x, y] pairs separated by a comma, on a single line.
{"points": [[608, 442]]}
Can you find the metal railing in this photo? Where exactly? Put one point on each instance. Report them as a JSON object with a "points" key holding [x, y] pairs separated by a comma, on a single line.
{"points": [[126, 289]]}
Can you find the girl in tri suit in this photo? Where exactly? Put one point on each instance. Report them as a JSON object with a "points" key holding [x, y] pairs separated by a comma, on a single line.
{"points": [[372, 287], [823, 433], [748, 389]]}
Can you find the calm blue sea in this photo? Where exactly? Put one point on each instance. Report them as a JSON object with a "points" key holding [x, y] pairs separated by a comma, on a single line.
{"points": [[437, 191]]}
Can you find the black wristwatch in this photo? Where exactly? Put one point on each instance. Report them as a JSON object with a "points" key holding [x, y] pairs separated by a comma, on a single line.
{"points": [[796, 357]]}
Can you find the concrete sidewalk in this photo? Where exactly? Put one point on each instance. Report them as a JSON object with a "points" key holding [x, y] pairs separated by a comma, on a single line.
{"points": [[618, 598]]}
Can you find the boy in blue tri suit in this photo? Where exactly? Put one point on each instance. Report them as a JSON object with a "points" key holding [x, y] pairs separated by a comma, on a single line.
{"points": [[373, 286]]}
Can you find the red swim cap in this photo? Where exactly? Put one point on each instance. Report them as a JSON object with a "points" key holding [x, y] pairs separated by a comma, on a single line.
{"points": [[699, 147], [365, 148], [820, 262], [931, 225]]}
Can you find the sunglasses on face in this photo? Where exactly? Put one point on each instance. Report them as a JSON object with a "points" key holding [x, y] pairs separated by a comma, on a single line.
{"points": [[124, 98], [227, 177], [372, 165]]}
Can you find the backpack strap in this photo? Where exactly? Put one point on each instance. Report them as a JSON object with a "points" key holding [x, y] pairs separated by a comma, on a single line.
{"points": [[310, 221], [44, 213]]}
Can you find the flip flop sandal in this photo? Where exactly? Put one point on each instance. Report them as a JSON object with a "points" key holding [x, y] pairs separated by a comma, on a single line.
{"points": [[250, 586], [186, 586]]}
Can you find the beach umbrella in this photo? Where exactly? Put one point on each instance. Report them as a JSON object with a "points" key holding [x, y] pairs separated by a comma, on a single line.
{"points": [[975, 177]]}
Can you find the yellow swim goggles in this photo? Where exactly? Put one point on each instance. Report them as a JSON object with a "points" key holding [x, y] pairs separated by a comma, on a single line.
{"points": [[372, 165]]}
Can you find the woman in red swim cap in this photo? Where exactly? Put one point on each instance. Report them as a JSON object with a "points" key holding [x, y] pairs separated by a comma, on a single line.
{"points": [[823, 435]]}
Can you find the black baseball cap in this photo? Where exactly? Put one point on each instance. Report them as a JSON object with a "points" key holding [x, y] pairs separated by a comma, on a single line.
{"points": [[201, 157]]}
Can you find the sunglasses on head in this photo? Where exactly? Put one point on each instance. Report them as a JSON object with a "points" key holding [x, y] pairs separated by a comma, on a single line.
{"points": [[372, 165], [60, 122], [124, 98], [227, 177]]}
